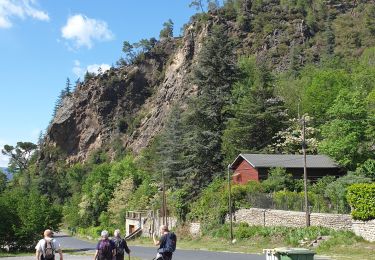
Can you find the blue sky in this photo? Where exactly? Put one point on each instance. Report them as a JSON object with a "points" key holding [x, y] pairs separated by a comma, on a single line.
{"points": [[42, 42]]}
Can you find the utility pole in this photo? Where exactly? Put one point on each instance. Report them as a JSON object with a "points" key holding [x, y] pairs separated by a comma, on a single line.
{"points": [[230, 205], [305, 171], [164, 201]]}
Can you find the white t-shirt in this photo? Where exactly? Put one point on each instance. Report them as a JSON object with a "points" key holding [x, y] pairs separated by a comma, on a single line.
{"points": [[42, 243]]}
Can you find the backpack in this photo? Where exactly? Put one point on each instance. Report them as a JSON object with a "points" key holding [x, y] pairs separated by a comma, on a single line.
{"points": [[105, 250], [170, 243], [119, 246], [49, 251]]}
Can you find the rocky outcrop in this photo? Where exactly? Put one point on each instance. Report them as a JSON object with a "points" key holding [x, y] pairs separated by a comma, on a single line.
{"points": [[88, 119]]}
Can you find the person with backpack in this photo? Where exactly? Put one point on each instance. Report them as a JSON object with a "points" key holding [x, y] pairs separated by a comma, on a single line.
{"points": [[167, 243], [46, 247], [105, 249], [120, 245]]}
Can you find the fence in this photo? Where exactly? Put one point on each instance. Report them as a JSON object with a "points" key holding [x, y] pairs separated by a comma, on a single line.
{"points": [[294, 201]]}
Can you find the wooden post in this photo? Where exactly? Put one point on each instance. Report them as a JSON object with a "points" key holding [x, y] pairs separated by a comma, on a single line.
{"points": [[164, 201], [230, 205]]}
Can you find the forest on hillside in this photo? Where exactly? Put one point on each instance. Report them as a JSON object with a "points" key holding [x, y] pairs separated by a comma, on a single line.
{"points": [[248, 101]]}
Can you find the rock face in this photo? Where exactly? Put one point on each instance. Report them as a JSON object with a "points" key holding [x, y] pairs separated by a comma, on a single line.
{"points": [[90, 117], [129, 105]]}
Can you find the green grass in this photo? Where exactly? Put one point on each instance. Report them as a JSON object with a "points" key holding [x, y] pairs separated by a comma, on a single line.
{"points": [[6, 254], [341, 245]]}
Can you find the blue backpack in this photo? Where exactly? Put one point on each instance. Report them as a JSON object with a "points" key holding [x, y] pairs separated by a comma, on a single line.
{"points": [[170, 243]]}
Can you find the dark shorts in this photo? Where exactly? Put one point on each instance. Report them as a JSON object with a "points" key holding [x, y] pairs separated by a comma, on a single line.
{"points": [[167, 256], [120, 257]]}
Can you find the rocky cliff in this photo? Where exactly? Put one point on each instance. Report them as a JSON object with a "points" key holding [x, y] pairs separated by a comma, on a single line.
{"points": [[130, 104]]}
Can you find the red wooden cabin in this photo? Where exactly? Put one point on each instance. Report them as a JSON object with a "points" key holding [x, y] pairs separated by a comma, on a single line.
{"points": [[255, 167]]}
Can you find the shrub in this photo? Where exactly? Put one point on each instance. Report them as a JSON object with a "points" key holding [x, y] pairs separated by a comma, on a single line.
{"points": [[336, 191], [278, 179], [361, 198], [367, 169], [291, 236]]}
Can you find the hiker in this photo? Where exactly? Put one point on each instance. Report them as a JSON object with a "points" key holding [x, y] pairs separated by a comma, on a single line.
{"points": [[166, 243], [120, 245], [105, 249], [46, 247]]}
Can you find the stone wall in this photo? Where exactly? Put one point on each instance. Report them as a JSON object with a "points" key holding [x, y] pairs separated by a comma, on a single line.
{"points": [[365, 229], [271, 217], [195, 229]]}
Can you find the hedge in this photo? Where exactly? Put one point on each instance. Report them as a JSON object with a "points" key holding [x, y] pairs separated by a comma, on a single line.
{"points": [[361, 198]]}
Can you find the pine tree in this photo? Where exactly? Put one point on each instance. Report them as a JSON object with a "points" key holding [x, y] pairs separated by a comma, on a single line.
{"points": [[214, 74], [171, 149], [167, 31], [68, 87], [257, 114]]}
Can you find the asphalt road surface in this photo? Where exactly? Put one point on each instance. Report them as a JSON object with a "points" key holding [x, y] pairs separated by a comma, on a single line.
{"points": [[77, 249]]}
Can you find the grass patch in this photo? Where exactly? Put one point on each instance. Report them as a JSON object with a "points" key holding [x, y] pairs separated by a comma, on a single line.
{"points": [[253, 239], [7, 254]]}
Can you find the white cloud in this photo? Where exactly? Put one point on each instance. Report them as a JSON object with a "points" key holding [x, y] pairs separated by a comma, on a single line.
{"points": [[93, 68], [83, 31], [21, 9]]}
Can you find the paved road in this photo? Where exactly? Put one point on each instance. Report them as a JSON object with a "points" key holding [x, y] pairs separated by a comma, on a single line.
{"points": [[75, 246]]}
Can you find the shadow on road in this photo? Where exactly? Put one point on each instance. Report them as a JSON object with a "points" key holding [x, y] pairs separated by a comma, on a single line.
{"points": [[79, 250]]}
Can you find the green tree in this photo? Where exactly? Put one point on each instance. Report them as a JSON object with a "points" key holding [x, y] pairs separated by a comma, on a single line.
{"points": [[145, 45], [118, 205], [257, 114], [367, 169], [88, 76], [323, 90], [197, 4], [75, 177], [68, 87], [336, 191], [279, 179], [71, 216], [167, 31], [3, 181], [95, 194], [27, 215], [214, 74], [344, 135], [170, 150], [128, 50], [19, 155], [126, 168]]}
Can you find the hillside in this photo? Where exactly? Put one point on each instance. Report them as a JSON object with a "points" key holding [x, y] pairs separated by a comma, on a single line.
{"points": [[127, 106], [166, 122]]}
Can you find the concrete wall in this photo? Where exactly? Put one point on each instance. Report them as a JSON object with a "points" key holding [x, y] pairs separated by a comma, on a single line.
{"points": [[131, 222], [149, 225], [270, 217]]}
